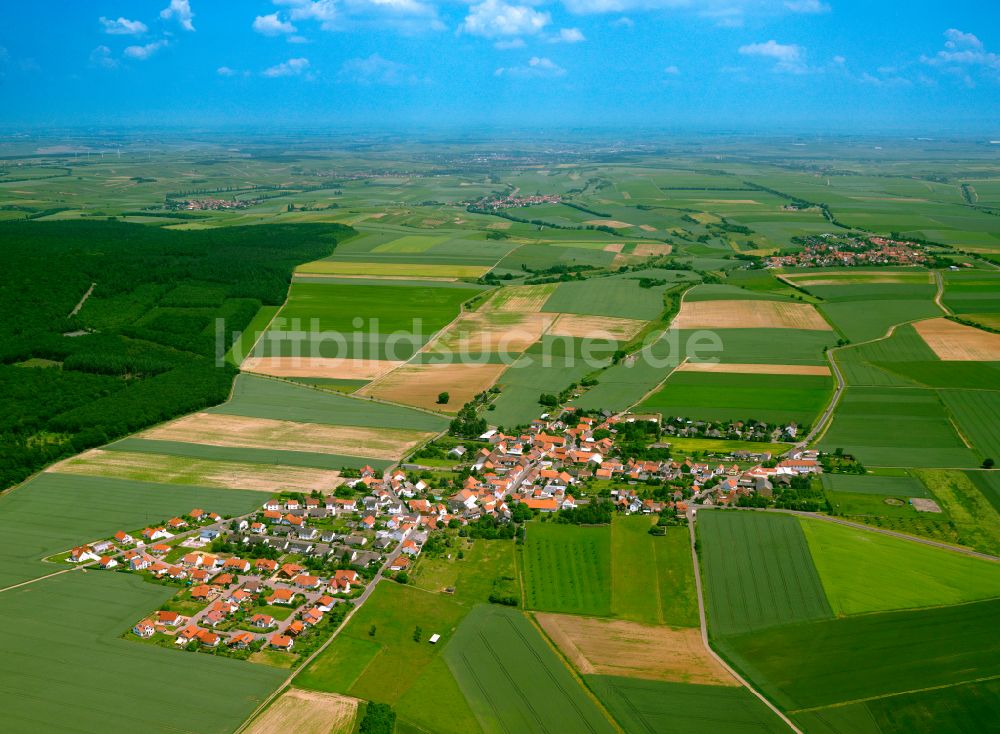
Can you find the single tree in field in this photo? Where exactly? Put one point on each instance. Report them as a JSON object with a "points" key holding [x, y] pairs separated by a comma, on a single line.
{"points": [[988, 463], [443, 398], [417, 634]]}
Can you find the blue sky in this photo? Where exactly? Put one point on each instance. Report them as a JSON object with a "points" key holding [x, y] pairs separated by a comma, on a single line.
{"points": [[748, 65]]}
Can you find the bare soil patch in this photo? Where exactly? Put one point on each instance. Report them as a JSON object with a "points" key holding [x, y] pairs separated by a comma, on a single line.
{"points": [[216, 429], [756, 369], [307, 712], [327, 367], [596, 327], [520, 298], [649, 249], [749, 315], [613, 223], [492, 331], [954, 342], [420, 384], [632, 650], [614, 247], [647, 228], [203, 472]]}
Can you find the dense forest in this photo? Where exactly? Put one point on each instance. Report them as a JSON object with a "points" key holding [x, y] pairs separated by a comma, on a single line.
{"points": [[142, 348]]}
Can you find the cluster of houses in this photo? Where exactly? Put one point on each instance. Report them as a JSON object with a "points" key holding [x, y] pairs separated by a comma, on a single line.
{"points": [[828, 250], [750, 430], [234, 591], [513, 200], [541, 468]]}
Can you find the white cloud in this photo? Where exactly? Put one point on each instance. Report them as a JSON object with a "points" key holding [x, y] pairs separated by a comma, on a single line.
{"points": [[495, 18], [508, 44], [807, 6], [964, 54], [671, 70], [292, 67], [568, 35], [100, 57], [272, 25], [123, 26], [958, 39], [225, 71], [376, 69], [537, 67], [181, 10], [623, 22], [144, 52], [787, 57], [322, 11]]}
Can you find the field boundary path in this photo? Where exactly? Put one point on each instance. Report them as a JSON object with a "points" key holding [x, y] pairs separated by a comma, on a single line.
{"points": [[76, 309], [283, 686], [704, 631]]}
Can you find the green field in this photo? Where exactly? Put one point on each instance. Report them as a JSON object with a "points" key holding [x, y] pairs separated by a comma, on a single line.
{"points": [[973, 512], [260, 397], [514, 681], [905, 486], [896, 427], [728, 396], [757, 572], [607, 297], [55, 512], [360, 321], [74, 672], [975, 412], [863, 571], [646, 706], [367, 666], [869, 655], [248, 455], [652, 578], [567, 568]]}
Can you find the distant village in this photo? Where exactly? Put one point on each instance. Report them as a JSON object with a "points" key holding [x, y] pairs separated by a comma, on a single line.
{"points": [[828, 250], [512, 200]]}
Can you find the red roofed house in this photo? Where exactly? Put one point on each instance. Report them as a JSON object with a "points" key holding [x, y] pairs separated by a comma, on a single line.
{"points": [[281, 642]]}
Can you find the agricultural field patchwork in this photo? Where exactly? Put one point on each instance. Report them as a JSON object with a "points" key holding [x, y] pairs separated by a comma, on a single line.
{"points": [[615, 647], [869, 655], [79, 647], [642, 706], [567, 568], [146, 467], [864, 572], [513, 681], [724, 395], [758, 572]]}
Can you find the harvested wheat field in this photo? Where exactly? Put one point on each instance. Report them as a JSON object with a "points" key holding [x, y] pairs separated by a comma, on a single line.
{"points": [[647, 228], [749, 315], [493, 332], [652, 249], [520, 298], [613, 223], [420, 384], [615, 647], [596, 327], [953, 342], [756, 369], [306, 712], [219, 429], [614, 247], [326, 367], [165, 469]]}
